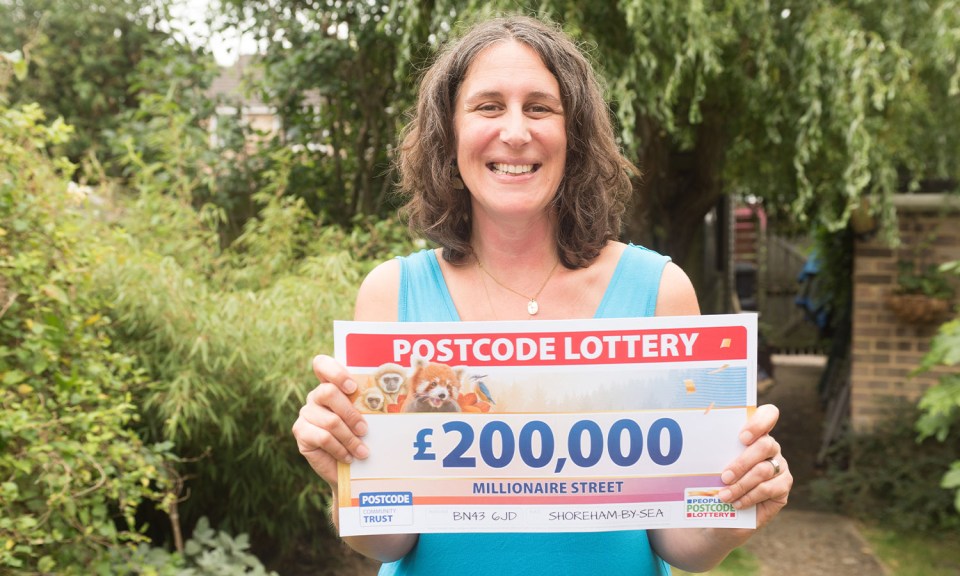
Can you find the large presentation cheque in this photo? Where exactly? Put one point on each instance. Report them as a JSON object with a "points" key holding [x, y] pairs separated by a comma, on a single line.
{"points": [[547, 426]]}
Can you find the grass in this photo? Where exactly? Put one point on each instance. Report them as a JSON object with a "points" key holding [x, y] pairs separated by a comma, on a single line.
{"points": [[738, 563], [916, 555]]}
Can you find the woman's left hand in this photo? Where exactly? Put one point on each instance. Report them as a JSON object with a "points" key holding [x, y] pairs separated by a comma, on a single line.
{"points": [[760, 475]]}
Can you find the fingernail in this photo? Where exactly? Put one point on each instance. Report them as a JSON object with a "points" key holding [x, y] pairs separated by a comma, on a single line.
{"points": [[725, 494], [348, 459], [349, 386], [738, 504], [361, 428], [727, 476], [745, 437], [362, 452]]}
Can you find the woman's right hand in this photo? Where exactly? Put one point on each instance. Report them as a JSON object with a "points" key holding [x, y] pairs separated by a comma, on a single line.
{"points": [[329, 428]]}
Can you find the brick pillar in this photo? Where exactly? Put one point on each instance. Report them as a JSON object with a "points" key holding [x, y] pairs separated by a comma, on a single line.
{"points": [[884, 349]]}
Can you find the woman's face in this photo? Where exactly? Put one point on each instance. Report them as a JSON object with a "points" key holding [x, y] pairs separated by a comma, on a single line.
{"points": [[510, 131]]}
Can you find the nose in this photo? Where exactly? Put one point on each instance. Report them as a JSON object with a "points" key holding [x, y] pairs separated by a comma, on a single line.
{"points": [[515, 130]]}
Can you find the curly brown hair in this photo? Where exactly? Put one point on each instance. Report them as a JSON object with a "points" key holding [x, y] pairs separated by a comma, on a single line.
{"points": [[590, 200]]}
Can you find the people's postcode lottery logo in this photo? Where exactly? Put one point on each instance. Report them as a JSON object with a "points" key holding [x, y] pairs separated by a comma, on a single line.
{"points": [[704, 503]]}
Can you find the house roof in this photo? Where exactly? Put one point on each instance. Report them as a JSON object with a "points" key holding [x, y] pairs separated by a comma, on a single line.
{"points": [[232, 85]]}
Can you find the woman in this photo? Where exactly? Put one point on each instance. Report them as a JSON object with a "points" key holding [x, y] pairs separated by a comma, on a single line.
{"points": [[513, 170]]}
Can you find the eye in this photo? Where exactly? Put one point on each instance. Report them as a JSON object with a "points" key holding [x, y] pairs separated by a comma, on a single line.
{"points": [[538, 110], [489, 108]]}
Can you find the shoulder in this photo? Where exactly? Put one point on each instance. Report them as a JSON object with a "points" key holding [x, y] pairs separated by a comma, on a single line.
{"points": [[676, 296], [378, 297]]}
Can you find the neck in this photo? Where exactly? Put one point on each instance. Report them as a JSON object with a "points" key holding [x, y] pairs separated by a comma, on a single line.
{"points": [[531, 246]]}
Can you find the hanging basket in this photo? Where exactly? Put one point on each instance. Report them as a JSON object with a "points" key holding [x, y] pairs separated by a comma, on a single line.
{"points": [[918, 308]]}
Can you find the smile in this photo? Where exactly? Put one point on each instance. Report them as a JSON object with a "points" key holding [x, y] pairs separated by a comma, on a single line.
{"points": [[514, 169]]}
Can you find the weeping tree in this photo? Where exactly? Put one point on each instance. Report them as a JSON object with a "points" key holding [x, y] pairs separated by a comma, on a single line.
{"points": [[811, 106]]}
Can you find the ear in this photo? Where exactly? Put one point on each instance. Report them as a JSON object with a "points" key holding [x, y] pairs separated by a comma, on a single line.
{"points": [[460, 371], [418, 363]]}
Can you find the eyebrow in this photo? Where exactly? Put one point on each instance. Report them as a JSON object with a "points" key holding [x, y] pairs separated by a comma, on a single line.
{"points": [[485, 94]]}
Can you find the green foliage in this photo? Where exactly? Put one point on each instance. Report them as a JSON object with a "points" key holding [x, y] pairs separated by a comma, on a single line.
{"points": [[330, 71], [810, 107], [227, 336], [208, 553], [911, 554], [914, 278], [940, 404], [91, 61], [889, 478], [73, 470]]}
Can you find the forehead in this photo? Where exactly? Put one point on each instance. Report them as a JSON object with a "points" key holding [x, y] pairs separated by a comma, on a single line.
{"points": [[508, 65]]}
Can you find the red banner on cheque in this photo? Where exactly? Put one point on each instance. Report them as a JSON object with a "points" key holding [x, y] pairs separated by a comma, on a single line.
{"points": [[701, 344]]}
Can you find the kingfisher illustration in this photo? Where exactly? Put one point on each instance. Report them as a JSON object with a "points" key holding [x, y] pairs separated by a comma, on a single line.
{"points": [[482, 391]]}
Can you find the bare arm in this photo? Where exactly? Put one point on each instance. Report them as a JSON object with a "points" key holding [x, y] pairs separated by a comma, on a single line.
{"points": [[330, 428], [750, 478]]}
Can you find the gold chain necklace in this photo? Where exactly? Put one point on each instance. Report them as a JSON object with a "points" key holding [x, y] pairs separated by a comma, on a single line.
{"points": [[487, 292], [532, 305]]}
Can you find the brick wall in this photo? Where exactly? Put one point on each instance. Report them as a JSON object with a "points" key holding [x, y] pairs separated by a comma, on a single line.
{"points": [[885, 349]]}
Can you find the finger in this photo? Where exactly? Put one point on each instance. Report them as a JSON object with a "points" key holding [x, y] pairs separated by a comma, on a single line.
{"points": [[327, 369], [775, 489], [323, 463], [764, 447], [314, 443], [327, 408], [754, 483], [759, 424], [326, 432]]}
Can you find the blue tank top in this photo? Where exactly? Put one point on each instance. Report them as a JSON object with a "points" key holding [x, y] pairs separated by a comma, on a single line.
{"points": [[424, 297]]}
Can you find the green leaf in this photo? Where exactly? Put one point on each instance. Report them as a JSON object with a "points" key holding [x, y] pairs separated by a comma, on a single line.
{"points": [[952, 478], [14, 377], [46, 564], [20, 70], [55, 293]]}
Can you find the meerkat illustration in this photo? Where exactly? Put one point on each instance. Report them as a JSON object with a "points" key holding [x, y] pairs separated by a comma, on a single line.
{"points": [[433, 387]]}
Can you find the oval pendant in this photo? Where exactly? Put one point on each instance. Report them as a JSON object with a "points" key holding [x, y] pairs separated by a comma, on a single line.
{"points": [[532, 307]]}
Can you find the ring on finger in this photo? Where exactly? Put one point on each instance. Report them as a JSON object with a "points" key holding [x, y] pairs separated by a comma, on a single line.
{"points": [[775, 462]]}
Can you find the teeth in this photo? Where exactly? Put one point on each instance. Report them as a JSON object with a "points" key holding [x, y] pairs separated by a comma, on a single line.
{"points": [[512, 168]]}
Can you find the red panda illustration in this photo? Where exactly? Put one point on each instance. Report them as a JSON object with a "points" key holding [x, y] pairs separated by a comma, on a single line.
{"points": [[433, 388]]}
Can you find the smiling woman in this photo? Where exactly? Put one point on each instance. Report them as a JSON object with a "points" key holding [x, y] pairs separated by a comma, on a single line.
{"points": [[512, 168]]}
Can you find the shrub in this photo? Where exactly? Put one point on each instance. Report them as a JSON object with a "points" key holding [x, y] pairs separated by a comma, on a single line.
{"points": [[72, 469], [227, 337], [891, 478], [208, 553], [940, 404]]}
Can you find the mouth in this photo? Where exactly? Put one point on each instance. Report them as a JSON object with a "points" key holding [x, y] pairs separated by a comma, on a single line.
{"points": [[512, 169]]}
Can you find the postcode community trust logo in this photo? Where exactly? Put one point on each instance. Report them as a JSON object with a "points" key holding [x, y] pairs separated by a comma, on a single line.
{"points": [[704, 503]]}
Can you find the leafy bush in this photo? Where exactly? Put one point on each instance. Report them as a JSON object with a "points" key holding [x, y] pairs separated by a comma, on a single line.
{"points": [[72, 469], [940, 404], [227, 337], [208, 553], [891, 478]]}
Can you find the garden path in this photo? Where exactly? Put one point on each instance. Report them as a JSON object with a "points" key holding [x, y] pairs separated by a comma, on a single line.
{"points": [[804, 541]]}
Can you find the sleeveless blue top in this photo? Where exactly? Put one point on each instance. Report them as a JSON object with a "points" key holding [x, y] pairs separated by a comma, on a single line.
{"points": [[424, 297]]}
